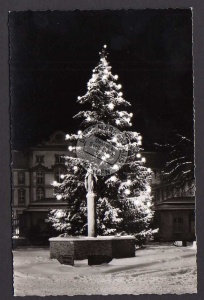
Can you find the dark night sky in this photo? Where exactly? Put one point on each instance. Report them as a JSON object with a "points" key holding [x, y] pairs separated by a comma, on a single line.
{"points": [[52, 55]]}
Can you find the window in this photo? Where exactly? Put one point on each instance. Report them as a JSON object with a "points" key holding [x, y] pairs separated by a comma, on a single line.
{"points": [[178, 225], [21, 197], [40, 193], [39, 158], [58, 174], [59, 159], [40, 177], [21, 177]]}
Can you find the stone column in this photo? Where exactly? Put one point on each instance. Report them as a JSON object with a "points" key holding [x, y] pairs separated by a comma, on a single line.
{"points": [[91, 214]]}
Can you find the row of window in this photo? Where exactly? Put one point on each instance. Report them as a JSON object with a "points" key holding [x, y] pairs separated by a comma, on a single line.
{"points": [[40, 176], [40, 194], [59, 159]]}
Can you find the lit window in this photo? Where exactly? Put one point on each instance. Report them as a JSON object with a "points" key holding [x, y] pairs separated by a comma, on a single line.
{"points": [[58, 174], [59, 159], [40, 177], [21, 197], [21, 177], [39, 158], [178, 225], [40, 193]]}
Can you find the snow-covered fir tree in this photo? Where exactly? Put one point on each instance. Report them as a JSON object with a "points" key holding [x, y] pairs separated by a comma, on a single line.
{"points": [[123, 197]]}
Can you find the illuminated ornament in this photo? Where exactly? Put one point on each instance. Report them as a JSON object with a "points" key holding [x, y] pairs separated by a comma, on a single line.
{"points": [[62, 176], [143, 159], [127, 192], [79, 132], [119, 86], [131, 115], [67, 136], [111, 106], [54, 183], [79, 98], [138, 155], [116, 77], [113, 178], [70, 148], [139, 143], [120, 94], [59, 214], [130, 124], [139, 137], [105, 46], [59, 197]]}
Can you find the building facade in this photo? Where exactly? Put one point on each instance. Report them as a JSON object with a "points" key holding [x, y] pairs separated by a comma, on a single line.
{"points": [[174, 207], [33, 173]]}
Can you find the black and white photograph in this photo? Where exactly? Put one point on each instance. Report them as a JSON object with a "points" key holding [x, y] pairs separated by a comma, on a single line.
{"points": [[102, 152]]}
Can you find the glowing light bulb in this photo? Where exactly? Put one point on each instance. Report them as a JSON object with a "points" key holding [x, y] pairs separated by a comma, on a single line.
{"points": [[127, 192], [111, 106], [119, 86], [131, 115], [143, 159], [59, 197], [116, 77], [67, 136], [79, 98], [113, 178], [115, 167], [88, 119], [59, 214], [54, 183], [79, 132], [70, 148], [62, 176], [105, 46], [120, 94], [138, 155], [139, 138]]}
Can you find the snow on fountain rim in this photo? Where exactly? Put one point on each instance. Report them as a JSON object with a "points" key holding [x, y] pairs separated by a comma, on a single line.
{"points": [[87, 238]]}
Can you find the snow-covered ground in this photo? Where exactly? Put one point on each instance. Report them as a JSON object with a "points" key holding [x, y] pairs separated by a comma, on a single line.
{"points": [[154, 270]]}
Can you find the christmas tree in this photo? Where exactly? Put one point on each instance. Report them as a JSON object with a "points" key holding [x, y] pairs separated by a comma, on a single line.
{"points": [[123, 193]]}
